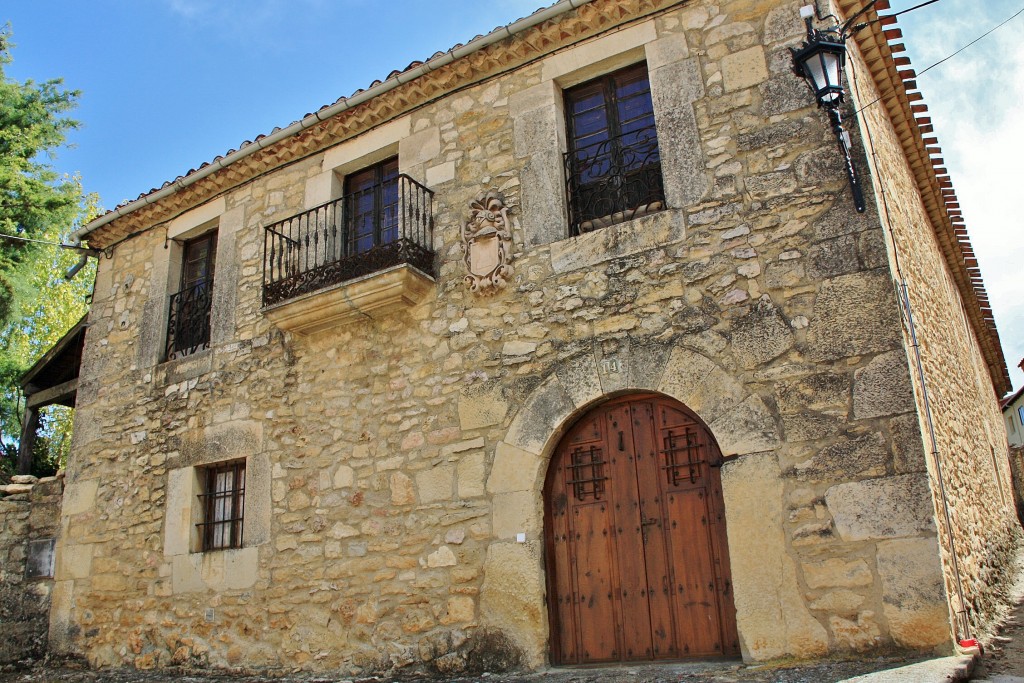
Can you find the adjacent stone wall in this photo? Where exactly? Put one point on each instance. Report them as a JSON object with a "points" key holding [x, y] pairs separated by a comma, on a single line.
{"points": [[970, 438], [1017, 474], [29, 512], [394, 516]]}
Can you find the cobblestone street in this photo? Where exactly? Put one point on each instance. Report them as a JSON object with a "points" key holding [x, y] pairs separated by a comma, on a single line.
{"points": [[705, 672]]}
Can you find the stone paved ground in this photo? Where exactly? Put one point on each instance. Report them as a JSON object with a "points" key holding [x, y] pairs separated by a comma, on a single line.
{"points": [[709, 672], [1003, 659]]}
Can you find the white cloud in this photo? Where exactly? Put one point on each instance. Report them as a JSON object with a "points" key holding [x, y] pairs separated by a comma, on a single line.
{"points": [[250, 14]]}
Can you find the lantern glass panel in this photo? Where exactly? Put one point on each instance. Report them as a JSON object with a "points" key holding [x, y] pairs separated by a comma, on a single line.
{"points": [[816, 71], [831, 62]]}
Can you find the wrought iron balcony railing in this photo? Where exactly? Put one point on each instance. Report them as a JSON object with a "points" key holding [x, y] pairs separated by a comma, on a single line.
{"points": [[614, 180], [188, 325], [359, 234]]}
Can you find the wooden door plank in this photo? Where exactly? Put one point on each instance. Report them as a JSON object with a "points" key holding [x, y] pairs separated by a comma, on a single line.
{"points": [[693, 574], [656, 551], [720, 546], [637, 640], [686, 456], [593, 563]]}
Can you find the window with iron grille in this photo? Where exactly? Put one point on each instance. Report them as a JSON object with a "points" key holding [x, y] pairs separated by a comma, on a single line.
{"points": [[613, 166], [222, 503], [371, 206], [188, 324]]}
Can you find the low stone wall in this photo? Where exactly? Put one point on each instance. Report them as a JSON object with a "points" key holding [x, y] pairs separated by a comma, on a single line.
{"points": [[29, 519]]}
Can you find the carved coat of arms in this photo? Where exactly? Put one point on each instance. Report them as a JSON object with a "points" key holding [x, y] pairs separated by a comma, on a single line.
{"points": [[487, 244]]}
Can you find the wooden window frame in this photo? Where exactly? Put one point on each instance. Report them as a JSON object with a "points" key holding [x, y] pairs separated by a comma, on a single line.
{"points": [[617, 175], [189, 317], [380, 176]]}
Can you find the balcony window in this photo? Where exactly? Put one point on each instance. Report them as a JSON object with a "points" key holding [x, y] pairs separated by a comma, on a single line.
{"points": [[383, 220], [371, 201], [188, 324], [613, 166]]}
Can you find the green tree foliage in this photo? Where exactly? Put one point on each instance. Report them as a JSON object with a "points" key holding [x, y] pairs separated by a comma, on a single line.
{"points": [[33, 197], [58, 305], [37, 306]]}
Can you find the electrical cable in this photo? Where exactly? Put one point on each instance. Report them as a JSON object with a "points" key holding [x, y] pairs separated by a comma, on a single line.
{"points": [[984, 35], [849, 22], [954, 54], [27, 239], [910, 9], [887, 16]]}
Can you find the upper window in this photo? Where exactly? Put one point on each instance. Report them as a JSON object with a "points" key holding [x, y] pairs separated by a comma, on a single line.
{"points": [[613, 168], [222, 502], [382, 219], [188, 326], [371, 206], [1020, 415]]}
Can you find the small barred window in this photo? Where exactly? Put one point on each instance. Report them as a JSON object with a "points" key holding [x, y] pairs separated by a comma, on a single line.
{"points": [[222, 503]]}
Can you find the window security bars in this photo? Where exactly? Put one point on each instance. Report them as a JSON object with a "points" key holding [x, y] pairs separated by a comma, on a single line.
{"points": [[188, 325], [587, 473], [341, 240], [223, 502], [682, 452], [614, 180]]}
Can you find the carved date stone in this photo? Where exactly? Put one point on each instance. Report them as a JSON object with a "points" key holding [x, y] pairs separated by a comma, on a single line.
{"points": [[487, 244]]}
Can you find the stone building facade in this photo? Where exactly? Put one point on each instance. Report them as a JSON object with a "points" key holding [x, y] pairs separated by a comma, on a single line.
{"points": [[1013, 412], [431, 439]]}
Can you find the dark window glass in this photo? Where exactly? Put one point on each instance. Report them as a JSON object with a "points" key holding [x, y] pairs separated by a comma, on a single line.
{"points": [[371, 203], [613, 167], [197, 266], [223, 502], [188, 325]]}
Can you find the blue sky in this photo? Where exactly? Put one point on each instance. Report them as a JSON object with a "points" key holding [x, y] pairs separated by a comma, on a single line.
{"points": [[169, 84]]}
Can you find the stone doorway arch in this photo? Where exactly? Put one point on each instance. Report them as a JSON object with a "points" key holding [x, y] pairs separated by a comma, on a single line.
{"points": [[772, 619], [634, 533]]}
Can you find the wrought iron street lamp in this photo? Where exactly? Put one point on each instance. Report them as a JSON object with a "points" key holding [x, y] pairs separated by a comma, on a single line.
{"points": [[821, 60]]}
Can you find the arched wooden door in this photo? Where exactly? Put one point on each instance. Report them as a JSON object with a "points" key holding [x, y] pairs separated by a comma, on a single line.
{"points": [[637, 563]]}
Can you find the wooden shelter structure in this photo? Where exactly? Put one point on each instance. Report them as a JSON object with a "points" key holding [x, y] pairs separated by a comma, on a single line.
{"points": [[52, 380]]}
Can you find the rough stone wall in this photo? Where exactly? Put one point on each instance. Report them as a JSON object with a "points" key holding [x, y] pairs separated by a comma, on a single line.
{"points": [[29, 511], [1017, 474], [393, 463], [969, 432]]}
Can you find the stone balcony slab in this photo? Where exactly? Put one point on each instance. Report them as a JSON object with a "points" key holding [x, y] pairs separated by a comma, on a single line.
{"points": [[371, 296]]}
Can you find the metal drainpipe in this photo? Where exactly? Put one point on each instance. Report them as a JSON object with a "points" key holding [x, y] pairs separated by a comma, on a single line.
{"points": [[965, 625]]}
